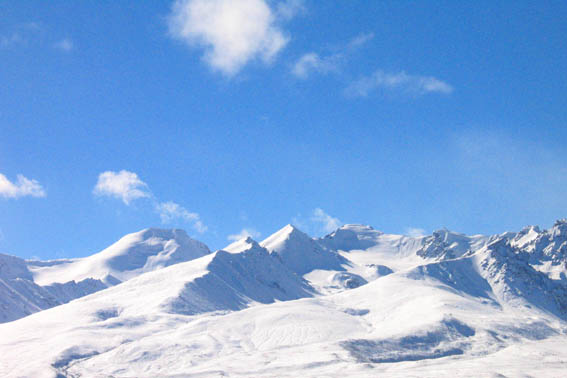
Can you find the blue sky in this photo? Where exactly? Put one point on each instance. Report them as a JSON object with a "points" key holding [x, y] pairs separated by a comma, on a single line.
{"points": [[223, 116]]}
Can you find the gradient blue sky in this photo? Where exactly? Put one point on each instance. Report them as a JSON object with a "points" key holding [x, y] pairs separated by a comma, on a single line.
{"points": [[253, 114]]}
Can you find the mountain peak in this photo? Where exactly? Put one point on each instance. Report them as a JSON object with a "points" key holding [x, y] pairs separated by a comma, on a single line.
{"points": [[13, 267], [289, 229], [277, 240], [133, 254], [162, 233], [531, 228], [351, 236], [356, 227], [242, 245], [300, 252], [560, 227]]}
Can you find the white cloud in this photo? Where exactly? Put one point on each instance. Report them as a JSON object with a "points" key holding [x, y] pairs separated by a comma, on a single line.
{"points": [[170, 211], [127, 186], [232, 32], [327, 222], [401, 82], [290, 8], [64, 45], [415, 232], [360, 40], [200, 227], [124, 185], [21, 188], [246, 232], [314, 63]]}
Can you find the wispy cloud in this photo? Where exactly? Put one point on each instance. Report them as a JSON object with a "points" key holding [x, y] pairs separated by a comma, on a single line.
{"points": [[232, 32], [127, 186], [123, 185], [400, 82], [21, 35], [171, 211], [324, 220], [64, 45], [23, 187], [415, 232], [246, 232], [30, 34], [360, 40], [12, 39], [290, 8], [313, 62]]}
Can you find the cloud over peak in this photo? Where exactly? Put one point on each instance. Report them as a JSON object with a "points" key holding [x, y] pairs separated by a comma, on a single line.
{"points": [[123, 185], [232, 32], [326, 222], [246, 232], [170, 211], [23, 187], [415, 232], [127, 186]]}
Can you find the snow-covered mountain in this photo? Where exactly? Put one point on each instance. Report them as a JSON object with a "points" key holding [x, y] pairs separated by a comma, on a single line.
{"points": [[357, 302], [301, 253], [28, 286]]}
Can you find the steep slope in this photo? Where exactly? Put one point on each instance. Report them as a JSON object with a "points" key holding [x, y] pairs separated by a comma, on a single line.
{"points": [[444, 244], [547, 250], [516, 282], [245, 274], [30, 286], [300, 253], [20, 296]]}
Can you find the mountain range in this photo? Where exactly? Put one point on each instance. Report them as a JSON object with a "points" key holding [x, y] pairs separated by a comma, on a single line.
{"points": [[357, 302]]}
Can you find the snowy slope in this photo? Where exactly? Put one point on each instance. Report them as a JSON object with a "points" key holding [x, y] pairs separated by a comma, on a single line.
{"points": [[443, 305], [217, 283], [301, 253], [20, 296], [30, 286], [133, 254], [234, 280], [371, 254], [547, 250]]}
